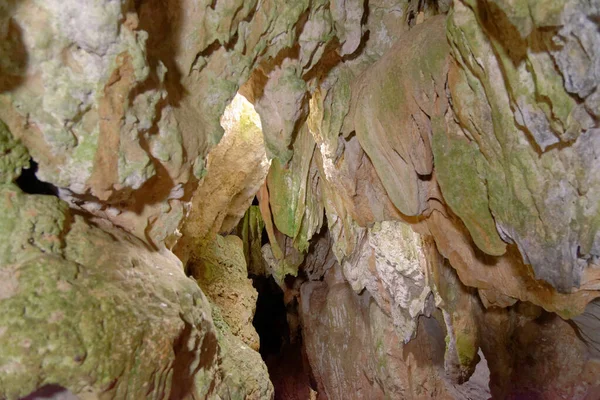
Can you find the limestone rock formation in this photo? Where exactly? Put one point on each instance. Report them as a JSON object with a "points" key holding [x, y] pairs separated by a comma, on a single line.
{"points": [[14, 156], [354, 348], [416, 181], [530, 153], [222, 275], [394, 117], [390, 263], [235, 170], [94, 310]]}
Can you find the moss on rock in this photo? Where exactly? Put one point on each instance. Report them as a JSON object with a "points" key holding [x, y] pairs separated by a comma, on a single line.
{"points": [[461, 173], [13, 156], [220, 269], [91, 308]]}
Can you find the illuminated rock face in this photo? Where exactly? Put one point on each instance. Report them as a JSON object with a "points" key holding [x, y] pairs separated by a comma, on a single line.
{"points": [[421, 182]]}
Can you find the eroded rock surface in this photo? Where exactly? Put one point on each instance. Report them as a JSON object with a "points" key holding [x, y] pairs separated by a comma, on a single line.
{"points": [[91, 308], [353, 346], [222, 274], [423, 174]]}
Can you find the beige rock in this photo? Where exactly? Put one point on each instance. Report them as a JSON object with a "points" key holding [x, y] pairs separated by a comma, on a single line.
{"points": [[396, 100], [355, 351], [220, 269], [434, 178], [236, 168], [506, 275]]}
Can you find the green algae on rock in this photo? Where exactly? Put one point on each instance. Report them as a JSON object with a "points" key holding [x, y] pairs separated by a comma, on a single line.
{"points": [[82, 317], [532, 190], [397, 97], [89, 307], [462, 180], [13, 156], [250, 230]]}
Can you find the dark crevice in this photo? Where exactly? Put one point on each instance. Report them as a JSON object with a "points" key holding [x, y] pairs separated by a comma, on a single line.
{"points": [[264, 237], [29, 182], [50, 392], [281, 346], [270, 319]]}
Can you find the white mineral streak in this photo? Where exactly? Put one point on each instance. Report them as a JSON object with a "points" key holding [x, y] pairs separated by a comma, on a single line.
{"points": [[397, 282]]}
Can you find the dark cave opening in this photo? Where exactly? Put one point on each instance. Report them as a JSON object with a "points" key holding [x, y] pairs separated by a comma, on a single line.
{"points": [[264, 238], [51, 392], [29, 182], [270, 318], [279, 330]]}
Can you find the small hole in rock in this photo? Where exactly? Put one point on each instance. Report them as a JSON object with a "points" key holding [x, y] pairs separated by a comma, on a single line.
{"points": [[29, 182], [51, 392]]}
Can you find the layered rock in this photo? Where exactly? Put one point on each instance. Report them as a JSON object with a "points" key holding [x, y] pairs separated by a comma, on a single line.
{"points": [[397, 101], [120, 105], [530, 154]]}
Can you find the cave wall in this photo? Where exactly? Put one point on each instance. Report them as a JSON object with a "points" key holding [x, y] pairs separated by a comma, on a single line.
{"points": [[427, 169]]}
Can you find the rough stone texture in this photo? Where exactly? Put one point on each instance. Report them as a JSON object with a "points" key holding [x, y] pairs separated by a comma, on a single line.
{"points": [[244, 375], [84, 101], [283, 104], [74, 110], [473, 123], [235, 170], [120, 104], [535, 159], [220, 269], [471, 161], [353, 348], [390, 263], [480, 147], [91, 308], [13, 156]]}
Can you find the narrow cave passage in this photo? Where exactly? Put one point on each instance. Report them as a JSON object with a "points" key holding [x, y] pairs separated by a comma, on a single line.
{"points": [[281, 340], [270, 319]]}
